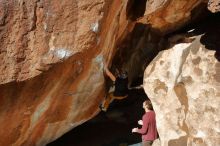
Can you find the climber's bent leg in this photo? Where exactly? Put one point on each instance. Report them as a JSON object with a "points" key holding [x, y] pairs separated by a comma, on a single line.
{"points": [[110, 97]]}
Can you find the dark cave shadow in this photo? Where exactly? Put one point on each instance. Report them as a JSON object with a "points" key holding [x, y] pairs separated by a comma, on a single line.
{"points": [[211, 37], [135, 9], [106, 129], [209, 29], [137, 51]]}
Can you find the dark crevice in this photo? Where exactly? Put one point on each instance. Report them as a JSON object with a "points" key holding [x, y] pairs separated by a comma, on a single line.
{"points": [[209, 29], [135, 9], [137, 50]]}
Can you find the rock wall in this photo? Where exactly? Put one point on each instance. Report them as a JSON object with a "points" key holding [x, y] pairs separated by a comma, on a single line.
{"points": [[51, 72], [52, 55], [36, 34]]}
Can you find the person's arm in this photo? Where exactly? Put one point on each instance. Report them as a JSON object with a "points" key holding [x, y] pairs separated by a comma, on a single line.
{"points": [[109, 74], [144, 127], [140, 122]]}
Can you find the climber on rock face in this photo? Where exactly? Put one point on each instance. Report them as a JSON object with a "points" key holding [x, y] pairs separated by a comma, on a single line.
{"points": [[120, 82]]}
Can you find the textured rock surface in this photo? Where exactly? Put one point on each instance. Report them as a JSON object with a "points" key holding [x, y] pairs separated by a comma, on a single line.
{"points": [[36, 33], [38, 38], [183, 83], [169, 15], [214, 6], [51, 59], [51, 71]]}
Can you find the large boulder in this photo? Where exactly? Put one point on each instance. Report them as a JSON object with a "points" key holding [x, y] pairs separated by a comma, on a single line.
{"points": [[214, 6], [51, 71], [183, 85]]}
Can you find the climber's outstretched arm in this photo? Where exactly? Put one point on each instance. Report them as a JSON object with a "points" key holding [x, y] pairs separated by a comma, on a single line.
{"points": [[109, 74]]}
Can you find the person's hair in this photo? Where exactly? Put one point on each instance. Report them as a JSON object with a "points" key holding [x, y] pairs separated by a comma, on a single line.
{"points": [[120, 72], [148, 104]]}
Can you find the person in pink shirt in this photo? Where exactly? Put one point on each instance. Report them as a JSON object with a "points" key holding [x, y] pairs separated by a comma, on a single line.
{"points": [[148, 122]]}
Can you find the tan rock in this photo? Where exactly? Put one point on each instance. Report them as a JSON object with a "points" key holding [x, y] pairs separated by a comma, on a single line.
{"points": [[183, 85], [214, 6]]}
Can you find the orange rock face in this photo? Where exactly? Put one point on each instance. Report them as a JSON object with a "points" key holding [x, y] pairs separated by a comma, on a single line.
{"points": [[52, 55], [51, 71], [168, 15], [36, 34]]}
